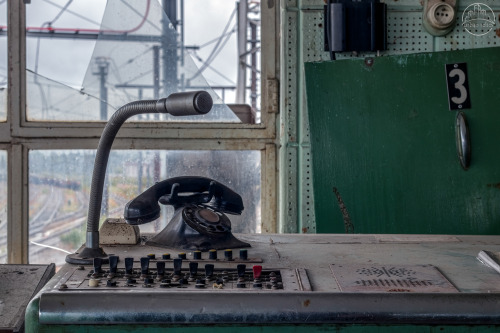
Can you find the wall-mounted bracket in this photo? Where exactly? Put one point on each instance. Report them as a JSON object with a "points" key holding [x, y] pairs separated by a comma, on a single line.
{"points": [[358, 26], [439, 16]]}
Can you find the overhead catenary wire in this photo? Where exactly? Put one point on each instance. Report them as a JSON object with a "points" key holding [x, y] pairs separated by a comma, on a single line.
{"points": [[47, 26], [61, 11], [197, 57], [85, 30], [49, 23], [115, 70], [210, 59], [73, 13], [216, 50], [138, 13], [217, 38]]}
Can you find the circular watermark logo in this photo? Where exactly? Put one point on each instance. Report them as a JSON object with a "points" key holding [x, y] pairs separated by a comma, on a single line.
{"points": [[478, 19]]}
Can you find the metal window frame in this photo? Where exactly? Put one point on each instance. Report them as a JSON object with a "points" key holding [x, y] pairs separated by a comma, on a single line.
{"points": [[18, 135]]}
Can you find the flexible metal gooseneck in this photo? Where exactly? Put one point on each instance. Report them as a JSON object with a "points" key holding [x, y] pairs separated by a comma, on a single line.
{"points": [[178, 104]]}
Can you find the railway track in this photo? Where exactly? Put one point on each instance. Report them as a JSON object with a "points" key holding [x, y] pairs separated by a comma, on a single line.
{"points": [[49, 223]]}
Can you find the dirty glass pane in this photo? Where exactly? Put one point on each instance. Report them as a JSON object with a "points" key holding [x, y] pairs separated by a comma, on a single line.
{"points": [[128, 50], [3, 207], [59, 186], [3, 60]]}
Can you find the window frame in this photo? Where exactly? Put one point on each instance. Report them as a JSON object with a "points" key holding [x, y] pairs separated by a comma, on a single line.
{"points": [[18, 135]]}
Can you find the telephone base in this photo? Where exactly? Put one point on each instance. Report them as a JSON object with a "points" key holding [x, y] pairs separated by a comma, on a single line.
{"points": [[197, 227], [196, 242]]}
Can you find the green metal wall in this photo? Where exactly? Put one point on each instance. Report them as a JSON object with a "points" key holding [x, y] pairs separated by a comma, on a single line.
{"points": [[385, 140], [302, 41]]}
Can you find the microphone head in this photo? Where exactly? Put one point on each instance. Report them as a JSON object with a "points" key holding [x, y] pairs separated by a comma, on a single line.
{"points": [[203, 102], [188, 103]]}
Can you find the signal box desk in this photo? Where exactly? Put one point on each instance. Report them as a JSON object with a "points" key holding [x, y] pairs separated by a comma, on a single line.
{"points": [[340, 283]]}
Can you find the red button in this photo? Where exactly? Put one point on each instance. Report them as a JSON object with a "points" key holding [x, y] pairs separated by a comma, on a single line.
{"points": [[257, 270]]}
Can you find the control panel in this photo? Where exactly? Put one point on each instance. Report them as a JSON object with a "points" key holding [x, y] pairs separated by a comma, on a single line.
{"points": [[280, 279], [185, 272]]}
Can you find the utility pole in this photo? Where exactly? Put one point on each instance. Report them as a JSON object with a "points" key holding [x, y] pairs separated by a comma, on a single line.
{"points": [[253, 64], [242, 17], [156, 71], [169, 47], [102, 72]]}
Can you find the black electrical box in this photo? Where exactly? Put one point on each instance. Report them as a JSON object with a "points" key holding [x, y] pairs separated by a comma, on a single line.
{"points": [[355, 26]]}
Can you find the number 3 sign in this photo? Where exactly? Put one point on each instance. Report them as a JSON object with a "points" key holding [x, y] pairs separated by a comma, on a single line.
{"points": [[458, 86]]}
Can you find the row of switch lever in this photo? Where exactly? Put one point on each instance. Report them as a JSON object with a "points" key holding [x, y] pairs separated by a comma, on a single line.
{"points": [[212, 255], [160, 268]]}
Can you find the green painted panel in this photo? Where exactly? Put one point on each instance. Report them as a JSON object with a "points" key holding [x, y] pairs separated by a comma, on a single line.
{"points": [[383, 136], [32, 325], [270, 329]]}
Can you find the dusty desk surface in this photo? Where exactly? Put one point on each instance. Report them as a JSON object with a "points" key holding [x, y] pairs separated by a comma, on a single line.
{"points": [[18, 284], [431, 279]]}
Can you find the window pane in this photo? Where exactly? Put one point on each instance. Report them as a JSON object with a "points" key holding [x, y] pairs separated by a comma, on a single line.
{"points": [[128, 50], [3, 206], [59, 186], [3, 60]]}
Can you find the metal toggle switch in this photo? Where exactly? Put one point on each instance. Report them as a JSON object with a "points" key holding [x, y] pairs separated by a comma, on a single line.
{"points": [[97, 266], [160, 269], [113, 263], [257, 271], [144, 266], [177, 268], [241, 270], [129, 266], [209, 272], [241, 275], [193, 271]]}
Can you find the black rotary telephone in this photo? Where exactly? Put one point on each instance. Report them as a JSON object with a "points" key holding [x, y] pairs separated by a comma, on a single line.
{"points": [[199, 221]]}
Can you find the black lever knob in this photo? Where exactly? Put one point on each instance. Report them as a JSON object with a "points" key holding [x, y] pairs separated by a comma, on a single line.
{"points": [[160, 268], [113, 264], [197, 255], [193, 268], [177, 266], [97, 265], [243, 254], [144, 266], [209, 270], [129, 266], [241, 270], [212, 254]]}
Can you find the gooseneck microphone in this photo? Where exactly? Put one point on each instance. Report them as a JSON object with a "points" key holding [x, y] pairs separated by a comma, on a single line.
{"points": [[187, 103], [177, 104]]}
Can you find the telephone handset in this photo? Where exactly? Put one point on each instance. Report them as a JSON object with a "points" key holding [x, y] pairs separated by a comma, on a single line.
{"points": [[181, 191], [199, 221]]}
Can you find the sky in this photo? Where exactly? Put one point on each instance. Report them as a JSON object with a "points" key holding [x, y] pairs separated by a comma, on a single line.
{"points": [[204, 21], [67, 61]]}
